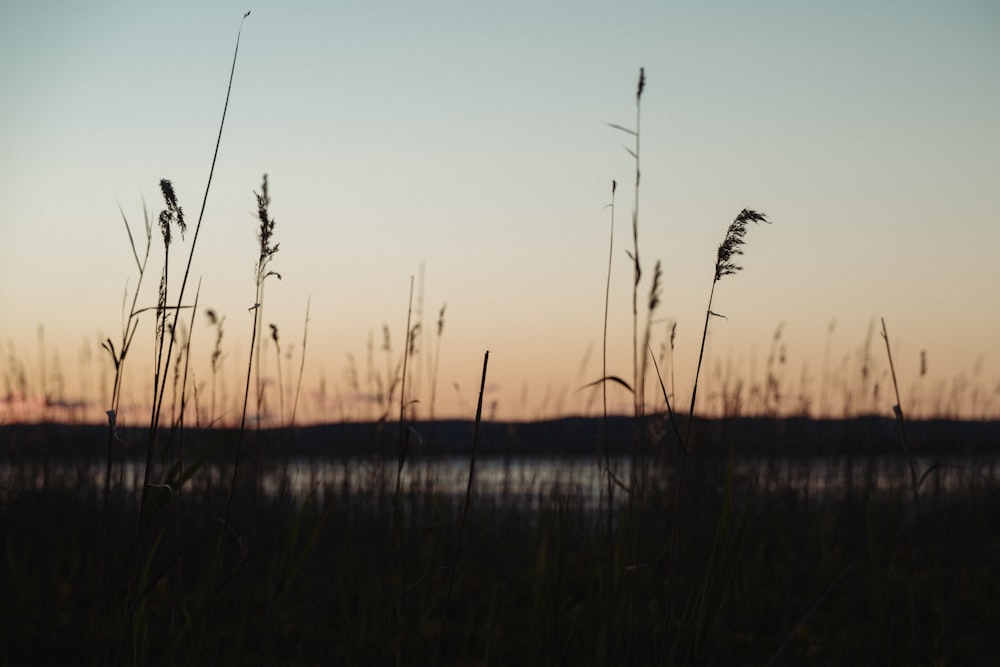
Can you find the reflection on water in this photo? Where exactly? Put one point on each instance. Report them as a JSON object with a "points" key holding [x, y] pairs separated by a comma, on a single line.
{"points": [[517, 479]]}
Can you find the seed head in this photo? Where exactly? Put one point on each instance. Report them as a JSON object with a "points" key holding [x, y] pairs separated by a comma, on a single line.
{"points": [[732, 244], [654, 288], [440, 323], [173, 213], [265, 233]]}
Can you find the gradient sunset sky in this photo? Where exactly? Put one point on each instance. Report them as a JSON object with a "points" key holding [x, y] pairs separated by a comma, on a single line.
{"points": [[471, 140]]}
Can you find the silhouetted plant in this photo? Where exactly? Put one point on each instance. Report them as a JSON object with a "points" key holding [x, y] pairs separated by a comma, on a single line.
{"points": [[731, 247], [898, 411], [634, 253], [216, 321], [266, 252]]}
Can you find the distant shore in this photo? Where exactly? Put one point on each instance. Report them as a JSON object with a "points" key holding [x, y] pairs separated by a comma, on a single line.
{"points": [[565, 437]]}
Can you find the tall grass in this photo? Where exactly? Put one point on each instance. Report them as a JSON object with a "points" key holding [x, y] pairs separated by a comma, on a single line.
{"points": [[898, 411], [725, 264], [404, 442], [133, 617], [465, 509], [267, 250]]}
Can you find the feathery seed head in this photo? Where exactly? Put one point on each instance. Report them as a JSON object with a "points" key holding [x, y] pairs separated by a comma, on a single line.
{"points": [[167, 188], [265, 233], [440, 323], [732, 244], [414, 333], [642, 83], [654, 288], [173, 213], [165, 227]]}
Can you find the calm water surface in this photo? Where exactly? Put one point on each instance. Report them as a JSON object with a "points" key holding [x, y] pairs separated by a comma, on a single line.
{"points": [[520, 478]]}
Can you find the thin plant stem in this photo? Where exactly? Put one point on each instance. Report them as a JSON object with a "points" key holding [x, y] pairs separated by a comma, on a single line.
{"points": [[302, 364], [281, 384], [725, 265], [181, 471], [267, 252], [605, 440], [403, 442], [465, 509], [437, 365], [154, 421], [605, 435], [239, 446], [118, 357], [194, 241], [637, 270], [898, 410], [697, 372]]}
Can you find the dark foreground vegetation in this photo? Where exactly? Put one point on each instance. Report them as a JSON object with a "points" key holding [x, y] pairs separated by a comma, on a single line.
{"points": [[359, 572]]}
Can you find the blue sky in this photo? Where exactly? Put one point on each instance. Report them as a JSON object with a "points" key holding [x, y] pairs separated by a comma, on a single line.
{"points": [[470, 139]]}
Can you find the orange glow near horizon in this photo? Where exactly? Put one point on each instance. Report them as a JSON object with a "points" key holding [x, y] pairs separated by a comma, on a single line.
{"points": [[470, 151], [778, 380]]}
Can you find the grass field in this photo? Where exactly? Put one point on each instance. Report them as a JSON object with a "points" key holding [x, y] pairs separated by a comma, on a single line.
{"points": [[765, 572]]}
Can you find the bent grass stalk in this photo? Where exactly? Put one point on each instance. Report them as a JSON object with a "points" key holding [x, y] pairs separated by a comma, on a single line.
{"points": [[898, 411], [729, 249]]}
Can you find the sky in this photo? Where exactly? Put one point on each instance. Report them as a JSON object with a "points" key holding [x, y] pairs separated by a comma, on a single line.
{"points": [[466, 146]]}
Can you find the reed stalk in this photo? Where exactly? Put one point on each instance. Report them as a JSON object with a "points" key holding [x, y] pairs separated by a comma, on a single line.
{"points": [[302, 365], [465, 509], [605, 438], [155, 417], [118, 358], [403, 446], [437, 365], [729, 249], [637, 379], [172, 215], [897, 410], [267, 250], [275, 337]]}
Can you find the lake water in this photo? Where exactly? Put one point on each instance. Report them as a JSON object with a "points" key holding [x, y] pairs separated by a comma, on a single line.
{"points": [[518, 479]]}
